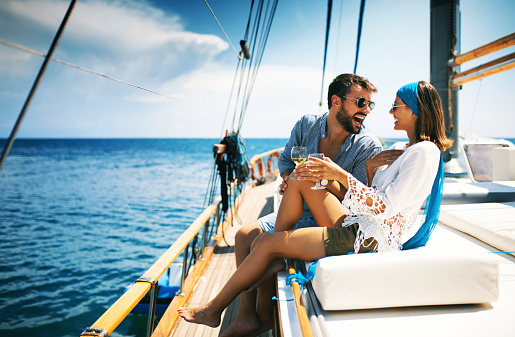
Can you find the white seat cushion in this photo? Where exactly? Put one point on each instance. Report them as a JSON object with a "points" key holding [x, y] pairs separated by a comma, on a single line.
{"points": [[406, 278]]}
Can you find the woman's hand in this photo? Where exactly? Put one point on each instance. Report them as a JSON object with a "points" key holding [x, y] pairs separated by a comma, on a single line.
{"points": [[315, 168], [386, 157]]}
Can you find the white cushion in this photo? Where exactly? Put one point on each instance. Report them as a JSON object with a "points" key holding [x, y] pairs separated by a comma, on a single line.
{"points": [[406, 278]]}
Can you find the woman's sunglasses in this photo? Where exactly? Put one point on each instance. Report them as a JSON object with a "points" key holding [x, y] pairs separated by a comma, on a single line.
{"points": [[394, 107], [361, 102]]}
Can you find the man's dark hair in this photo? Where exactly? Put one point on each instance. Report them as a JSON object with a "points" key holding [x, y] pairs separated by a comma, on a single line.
{"points": [[343, 83]]}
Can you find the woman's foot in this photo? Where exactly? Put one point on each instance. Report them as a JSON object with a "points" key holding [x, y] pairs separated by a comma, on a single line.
{"points": [[200, 315]]}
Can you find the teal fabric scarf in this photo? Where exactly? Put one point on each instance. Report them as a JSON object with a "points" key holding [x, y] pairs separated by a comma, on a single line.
{"points": [[408, 94]]}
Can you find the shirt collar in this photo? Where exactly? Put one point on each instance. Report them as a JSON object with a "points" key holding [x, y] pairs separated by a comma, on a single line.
{"points": [[323, 125]]}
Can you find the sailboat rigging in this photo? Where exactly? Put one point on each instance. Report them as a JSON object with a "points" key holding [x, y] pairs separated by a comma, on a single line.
{"points": [[48, 57]]}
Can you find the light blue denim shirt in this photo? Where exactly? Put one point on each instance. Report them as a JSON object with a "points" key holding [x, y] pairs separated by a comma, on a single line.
{"points": [[353, 155]]}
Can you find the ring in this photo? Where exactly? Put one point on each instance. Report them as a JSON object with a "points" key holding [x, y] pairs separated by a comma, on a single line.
{"points": [[324, 182]]}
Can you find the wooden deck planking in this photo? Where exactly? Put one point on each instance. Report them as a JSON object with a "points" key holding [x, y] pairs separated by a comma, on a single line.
{"points": [[257, 202]]}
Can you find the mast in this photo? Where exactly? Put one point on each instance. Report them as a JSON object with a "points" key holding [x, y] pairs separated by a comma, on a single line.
{"points": [[445, 44]]}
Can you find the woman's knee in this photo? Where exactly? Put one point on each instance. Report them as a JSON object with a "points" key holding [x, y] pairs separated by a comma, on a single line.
{"points": [[299, 185], [256, 240], [269, 243]]}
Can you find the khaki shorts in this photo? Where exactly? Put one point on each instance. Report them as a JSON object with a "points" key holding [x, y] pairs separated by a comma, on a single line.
{"points": [[340, 240]]}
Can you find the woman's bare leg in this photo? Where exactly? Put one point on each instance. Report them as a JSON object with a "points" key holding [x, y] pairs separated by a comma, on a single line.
{"points": [[271, 246], [324, 205]]}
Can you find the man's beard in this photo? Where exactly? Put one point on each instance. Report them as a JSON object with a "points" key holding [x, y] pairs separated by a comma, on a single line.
{"points": [[346, 121]]}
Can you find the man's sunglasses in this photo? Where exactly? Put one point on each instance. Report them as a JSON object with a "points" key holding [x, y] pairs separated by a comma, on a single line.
{"points": [[361, 102]]}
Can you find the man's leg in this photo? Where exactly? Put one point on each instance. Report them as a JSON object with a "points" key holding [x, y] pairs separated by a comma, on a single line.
{"points": [[246, 320]]}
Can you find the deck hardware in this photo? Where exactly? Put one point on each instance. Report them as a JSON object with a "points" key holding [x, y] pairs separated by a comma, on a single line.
{"points": [[204, 237], [184, 271], [195, 249], [97, 332], [146, 279], [153, 300]]}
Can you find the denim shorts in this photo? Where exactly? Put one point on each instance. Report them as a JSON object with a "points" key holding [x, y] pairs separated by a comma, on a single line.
{"points": [[267, 223]]}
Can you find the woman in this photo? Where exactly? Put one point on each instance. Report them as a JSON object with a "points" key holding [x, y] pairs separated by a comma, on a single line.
{"points": [[371, 219]]}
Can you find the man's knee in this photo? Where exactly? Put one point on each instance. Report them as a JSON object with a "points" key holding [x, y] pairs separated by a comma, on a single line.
{"points": [[247, 233]]}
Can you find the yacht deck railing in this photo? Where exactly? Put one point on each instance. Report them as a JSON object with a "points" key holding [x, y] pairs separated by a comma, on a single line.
{"points": [[193, 267]]}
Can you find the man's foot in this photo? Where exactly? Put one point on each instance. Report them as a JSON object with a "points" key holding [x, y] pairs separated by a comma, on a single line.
{"points": [[200, 315], [274, 267], [265, 326], [242, 327]]}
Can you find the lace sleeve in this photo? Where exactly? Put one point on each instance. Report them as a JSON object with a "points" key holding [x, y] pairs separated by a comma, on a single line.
{"points": [[361, 199], [363, 205]]}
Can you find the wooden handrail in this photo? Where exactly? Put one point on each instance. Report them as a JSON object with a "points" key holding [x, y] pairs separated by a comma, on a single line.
{"points": [[264, 154], [170, 317], [299, 305], [496, 66], [504, 42], [257, 160], [110, 320], [123, 306]]}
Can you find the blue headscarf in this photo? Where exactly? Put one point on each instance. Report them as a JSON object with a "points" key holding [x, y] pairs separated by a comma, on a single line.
{"points": [[408, 94], [431, 212]]}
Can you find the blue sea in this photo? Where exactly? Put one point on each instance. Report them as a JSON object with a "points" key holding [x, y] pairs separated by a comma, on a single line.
{"points": [[80, 219]]}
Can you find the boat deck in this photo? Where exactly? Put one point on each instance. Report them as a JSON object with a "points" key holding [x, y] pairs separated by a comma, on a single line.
{"points": [[258, 201], [471, 228]]}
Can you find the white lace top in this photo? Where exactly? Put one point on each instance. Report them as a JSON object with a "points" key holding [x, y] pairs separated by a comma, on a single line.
{"points": [[398, 192]]}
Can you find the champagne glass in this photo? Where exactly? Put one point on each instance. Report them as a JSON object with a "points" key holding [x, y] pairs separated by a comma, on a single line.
{"points": [[317, 185], [299, 154]]}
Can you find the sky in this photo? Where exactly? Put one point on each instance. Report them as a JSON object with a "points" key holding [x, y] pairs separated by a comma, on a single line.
{"points": [[176, 48]]}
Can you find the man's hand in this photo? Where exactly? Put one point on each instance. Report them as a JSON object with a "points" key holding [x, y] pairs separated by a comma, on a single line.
{"points": [[284, 183]]}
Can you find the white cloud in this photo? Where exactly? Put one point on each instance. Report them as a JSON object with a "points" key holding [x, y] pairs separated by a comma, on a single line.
{"points": [[120, 37]]}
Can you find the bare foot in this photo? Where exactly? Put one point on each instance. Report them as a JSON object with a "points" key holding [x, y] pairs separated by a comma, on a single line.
{"points": [[265, 326], [242, 327], [200, 315], [274, 267]]}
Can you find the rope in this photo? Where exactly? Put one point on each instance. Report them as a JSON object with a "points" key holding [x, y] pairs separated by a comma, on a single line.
{"points": [[360, 24], [328, 26], [475, 105], [338, 37], [229, 101], [91, 71], [223, 31], [269, 16], [256, 35]]}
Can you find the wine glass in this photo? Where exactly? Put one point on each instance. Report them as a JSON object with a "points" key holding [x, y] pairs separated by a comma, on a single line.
{"points": [[299, 154], [319, 156]]}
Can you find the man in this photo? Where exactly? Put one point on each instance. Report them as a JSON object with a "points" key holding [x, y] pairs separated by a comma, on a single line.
{"points": [[340, 135]]}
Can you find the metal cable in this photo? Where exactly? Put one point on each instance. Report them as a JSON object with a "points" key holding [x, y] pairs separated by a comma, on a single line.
{"points": [[91, 71], [327, 28], [360, 25], [223, 31], [35, 85]]}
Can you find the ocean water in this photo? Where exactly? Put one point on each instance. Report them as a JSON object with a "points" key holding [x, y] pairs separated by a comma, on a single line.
{"points": [[80, 219]]}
